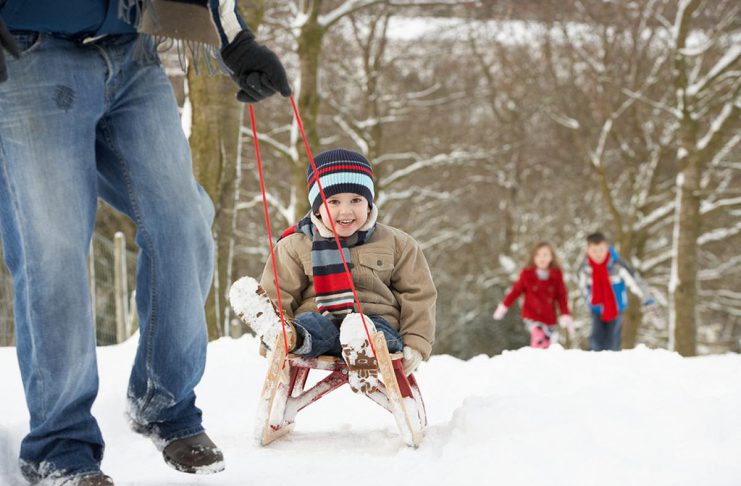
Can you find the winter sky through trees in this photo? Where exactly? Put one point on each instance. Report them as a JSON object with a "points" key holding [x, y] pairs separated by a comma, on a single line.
{"points": [[492, 126]]}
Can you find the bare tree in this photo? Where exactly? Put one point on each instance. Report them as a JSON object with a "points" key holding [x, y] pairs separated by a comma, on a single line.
{"points": [[705, 97]]}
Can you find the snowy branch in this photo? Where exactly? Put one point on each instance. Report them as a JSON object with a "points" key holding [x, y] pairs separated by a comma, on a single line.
{"points": [[284, 149], [682, 22], [716, 235], [707, 207], [721, 271], [731, 297], [344, 9], [285, 210], [725, 119], [724, 64], [719, 234], [723, 308], [354, 133], [654, 216], [441, 237], [454, 158], [564, 120], [661, 106]]}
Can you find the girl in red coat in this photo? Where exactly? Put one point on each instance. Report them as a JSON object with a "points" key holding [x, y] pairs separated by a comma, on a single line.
{"points": [[542, 283]]}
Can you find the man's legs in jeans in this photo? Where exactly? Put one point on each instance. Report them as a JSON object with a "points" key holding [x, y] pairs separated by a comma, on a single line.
{"points": [[322, 337], [48, 197], [64, 106], [145, 171]]}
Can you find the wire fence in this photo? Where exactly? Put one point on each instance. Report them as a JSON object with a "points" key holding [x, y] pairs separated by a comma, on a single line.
{"points": [[112, 280]]}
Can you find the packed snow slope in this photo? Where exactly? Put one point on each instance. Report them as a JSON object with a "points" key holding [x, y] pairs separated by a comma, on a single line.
{"points": [[528, 417]]}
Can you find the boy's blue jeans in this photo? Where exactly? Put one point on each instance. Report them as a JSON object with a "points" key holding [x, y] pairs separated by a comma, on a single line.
{"points": [[605, 334], [322, 336], [78, 122]]}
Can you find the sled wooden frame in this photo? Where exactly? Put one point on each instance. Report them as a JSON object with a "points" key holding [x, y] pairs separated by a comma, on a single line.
{"points": [[283, 394]]}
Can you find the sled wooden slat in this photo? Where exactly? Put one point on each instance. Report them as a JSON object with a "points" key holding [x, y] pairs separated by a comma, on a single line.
{"points": [[284, 392], [411, 434], [276, 377]]}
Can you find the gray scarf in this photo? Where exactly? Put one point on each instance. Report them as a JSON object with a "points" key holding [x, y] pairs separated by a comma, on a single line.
{"points": [[186, 23]]}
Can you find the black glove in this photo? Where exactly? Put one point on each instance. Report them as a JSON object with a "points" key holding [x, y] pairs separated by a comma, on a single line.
{"points": [[255, 68], [7, 42]]}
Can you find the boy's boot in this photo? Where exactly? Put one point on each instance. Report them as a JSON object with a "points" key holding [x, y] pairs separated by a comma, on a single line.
{"points": [[252, 304], [362, 366], [195, 455]]}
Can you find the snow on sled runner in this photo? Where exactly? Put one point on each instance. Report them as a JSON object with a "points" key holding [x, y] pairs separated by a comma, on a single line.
{"points": [[284, 394]]}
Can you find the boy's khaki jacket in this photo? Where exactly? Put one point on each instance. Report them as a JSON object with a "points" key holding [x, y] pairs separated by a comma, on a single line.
{"points": [[391, 277]]}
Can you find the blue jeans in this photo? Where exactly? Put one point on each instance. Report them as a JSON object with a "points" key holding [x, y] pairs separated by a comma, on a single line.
{"points": [[79, 122], [605, 334], [322, 337]]}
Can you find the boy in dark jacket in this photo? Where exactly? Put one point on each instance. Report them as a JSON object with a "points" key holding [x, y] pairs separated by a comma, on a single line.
{"points": [[604, 278]]}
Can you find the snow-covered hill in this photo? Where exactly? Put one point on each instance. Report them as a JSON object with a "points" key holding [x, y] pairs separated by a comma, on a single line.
{"points": [[529, 417]]}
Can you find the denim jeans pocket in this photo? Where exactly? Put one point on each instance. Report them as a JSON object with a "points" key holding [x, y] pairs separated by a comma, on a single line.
{"points": [[27, 41]]}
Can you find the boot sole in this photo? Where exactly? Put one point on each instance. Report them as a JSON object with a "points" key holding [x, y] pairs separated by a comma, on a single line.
{"points": [[212, 468]]}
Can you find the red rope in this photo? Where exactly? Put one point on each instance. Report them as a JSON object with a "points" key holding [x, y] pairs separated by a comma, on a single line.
{"points": [[331, 223], [267, 224]]}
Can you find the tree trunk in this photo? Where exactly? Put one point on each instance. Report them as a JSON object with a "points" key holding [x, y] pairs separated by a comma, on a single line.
{"points": [[309, 52], [683, 280], [631, 322], [632, 245], [683, 283], [215, 123]]}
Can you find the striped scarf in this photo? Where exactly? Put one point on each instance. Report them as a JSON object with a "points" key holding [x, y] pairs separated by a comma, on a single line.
{"points": [[333, 293]]}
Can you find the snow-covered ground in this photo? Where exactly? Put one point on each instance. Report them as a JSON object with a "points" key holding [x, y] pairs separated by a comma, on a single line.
{"points": [[529, 417]]}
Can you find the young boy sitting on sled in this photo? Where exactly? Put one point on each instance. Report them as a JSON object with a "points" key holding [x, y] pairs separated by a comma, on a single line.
{"points": [[390, 273]]}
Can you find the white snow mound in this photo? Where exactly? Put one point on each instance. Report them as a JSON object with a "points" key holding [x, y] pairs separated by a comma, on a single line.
{"points": [[524, 418]]}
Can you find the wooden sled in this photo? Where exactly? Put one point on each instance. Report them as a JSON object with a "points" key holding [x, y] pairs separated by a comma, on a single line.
{"points": [[284, 395]]}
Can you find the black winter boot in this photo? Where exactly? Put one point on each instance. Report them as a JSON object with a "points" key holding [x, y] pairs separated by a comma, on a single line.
{"points": [[195, 455]]}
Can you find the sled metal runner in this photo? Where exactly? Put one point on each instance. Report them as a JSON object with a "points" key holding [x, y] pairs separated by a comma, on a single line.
{"points": [[284, 392]]}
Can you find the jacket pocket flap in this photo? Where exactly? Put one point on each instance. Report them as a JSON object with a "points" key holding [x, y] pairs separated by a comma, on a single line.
{"points": [[377, 261]]}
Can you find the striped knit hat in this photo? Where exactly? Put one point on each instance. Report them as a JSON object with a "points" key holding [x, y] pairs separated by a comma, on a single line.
{"points": [[340, 171]]}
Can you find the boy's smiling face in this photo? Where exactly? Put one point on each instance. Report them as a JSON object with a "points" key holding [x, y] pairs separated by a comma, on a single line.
{"points": [[348, 211]]}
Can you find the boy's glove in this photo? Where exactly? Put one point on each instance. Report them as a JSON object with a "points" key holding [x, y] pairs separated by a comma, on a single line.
{"points": [[255, 68], [412, 359], [499, 313], [8, 43], [566, 321]]}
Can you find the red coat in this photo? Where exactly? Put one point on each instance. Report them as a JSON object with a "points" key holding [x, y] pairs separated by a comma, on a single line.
{"points": [[541, 296]]}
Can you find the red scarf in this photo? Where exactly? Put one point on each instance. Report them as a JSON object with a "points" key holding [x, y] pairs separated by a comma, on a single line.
{"points": [[602, 293]]}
